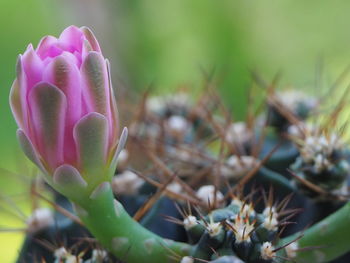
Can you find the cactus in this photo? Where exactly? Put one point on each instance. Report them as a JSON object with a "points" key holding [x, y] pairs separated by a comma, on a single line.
{"points": [[191, 185]]}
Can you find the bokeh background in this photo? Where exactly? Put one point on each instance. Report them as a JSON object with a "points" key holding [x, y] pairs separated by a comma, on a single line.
{"points": [[170, 43]]}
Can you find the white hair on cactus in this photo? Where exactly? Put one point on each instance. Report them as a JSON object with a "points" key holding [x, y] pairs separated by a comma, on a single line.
{"points": [[238, 132], [60, 252], [291, 99], [123, 157], [270, 218], [73, 259], [177, 124], [242, 228], [318, 149], [267, 251], [246, 209], [214, 228], [127, 183], [175, 187], [302, 128], [189, 222], [63, 255], [291, 250], [98, 255], [150, 130], [207, 193], [157, 104], [237, 166], [40, 219], [187, 259]]}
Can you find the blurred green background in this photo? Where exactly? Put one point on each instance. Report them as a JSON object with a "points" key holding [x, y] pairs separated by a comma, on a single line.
{"points": [[167, 43]]}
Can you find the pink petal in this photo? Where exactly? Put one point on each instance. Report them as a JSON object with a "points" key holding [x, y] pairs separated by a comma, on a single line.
{"points": [[64, 74], [71, 39], [113, 113], [32, 67], [87, 48], [54, 51], [48, 109], [18, 97], [91, 38], [16, 104], [96, 91], [96, 86], [48, 47]]}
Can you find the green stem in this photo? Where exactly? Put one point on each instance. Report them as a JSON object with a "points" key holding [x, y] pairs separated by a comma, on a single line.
{"points": [[108, 221], [270, 177], [327, 240]]}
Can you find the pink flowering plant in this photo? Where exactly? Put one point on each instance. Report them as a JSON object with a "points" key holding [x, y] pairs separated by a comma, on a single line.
{"points": [[64, 104]]}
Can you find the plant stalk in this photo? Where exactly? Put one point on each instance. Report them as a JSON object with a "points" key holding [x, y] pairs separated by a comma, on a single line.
{"points": [[326, 240], [128, 240]]}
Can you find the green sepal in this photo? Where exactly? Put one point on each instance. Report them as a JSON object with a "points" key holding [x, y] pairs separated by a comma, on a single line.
{"points": [[69, 181], [91, 137]]}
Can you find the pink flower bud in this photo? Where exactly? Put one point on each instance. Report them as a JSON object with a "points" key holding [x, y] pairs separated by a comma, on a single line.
{"points": [[63, 103]]}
